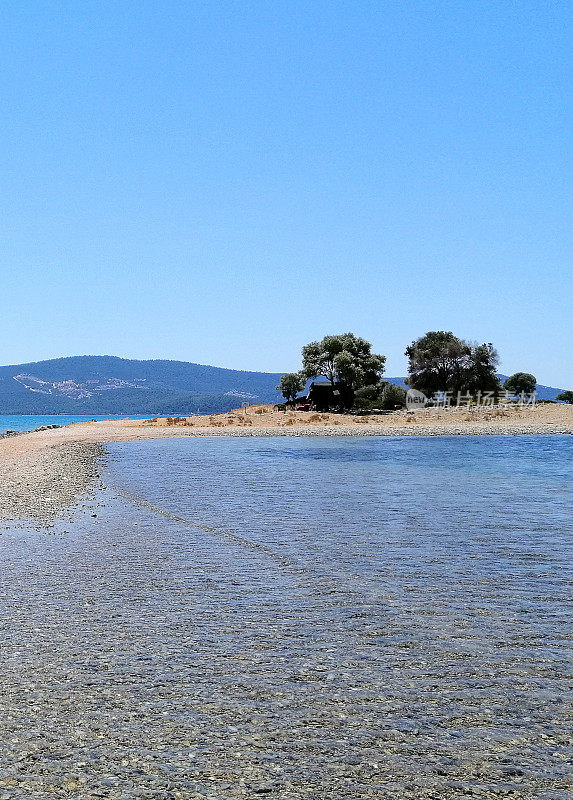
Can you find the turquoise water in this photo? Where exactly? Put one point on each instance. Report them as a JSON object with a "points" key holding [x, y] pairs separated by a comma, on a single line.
{"points": [[330, 618], [30, 423]]}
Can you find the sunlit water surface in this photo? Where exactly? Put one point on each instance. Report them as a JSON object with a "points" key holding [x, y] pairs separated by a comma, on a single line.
{"points": [[28, 422], [325, 618]]}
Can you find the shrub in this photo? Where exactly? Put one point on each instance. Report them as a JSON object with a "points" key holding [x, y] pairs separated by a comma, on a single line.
{"points": [[393, 396], [368, 397]]}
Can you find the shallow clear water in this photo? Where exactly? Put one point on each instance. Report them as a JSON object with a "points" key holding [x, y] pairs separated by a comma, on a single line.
{"points": [[30, 422], [321, 617]]}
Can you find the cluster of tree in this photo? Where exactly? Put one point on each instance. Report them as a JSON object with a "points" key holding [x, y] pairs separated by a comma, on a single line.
{"points": [[346, 361], [442, 362], [565, 397], [439, 361]]}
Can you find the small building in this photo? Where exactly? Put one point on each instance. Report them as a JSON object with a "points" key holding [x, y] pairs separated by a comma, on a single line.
{"points": [[323, 396]]}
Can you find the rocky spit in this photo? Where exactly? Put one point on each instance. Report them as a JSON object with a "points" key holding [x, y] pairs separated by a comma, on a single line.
{"points": [[44, 484], [463, 429], [45, 471]]}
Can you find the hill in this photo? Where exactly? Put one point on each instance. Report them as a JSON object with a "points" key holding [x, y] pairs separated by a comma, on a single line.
{"points": [[111, 385]]}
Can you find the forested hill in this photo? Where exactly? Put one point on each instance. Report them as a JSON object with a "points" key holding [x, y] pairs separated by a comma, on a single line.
{"points": [[111, 385]]}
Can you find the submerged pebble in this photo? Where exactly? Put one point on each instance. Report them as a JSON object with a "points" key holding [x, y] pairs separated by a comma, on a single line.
{"points": [[294, 621]]}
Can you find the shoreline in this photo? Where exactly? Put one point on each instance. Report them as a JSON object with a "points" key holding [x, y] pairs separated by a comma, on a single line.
{"points": [[45, 484], [45, 473]]}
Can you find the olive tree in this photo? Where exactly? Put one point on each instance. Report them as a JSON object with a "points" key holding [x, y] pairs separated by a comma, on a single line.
{"points": [[380, 395], [346, 360], [482, 374], [369, 397], [439, 361], [291, 384], [393, 397], [521, 382]]}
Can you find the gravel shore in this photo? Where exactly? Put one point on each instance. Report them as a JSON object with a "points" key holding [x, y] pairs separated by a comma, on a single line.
{"points": [[44, 483], [479, 429]]}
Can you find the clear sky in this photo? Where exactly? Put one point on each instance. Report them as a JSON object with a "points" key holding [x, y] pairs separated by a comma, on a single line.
{"points": [[222, 182]]}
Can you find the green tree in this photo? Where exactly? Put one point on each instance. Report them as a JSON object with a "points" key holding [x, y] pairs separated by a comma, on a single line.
{"points": [[521, 382], [482, 371], [565, 397], [442, 362], [369, 397], [393, 397], [439, 361], [346, 360], [291, 384]]}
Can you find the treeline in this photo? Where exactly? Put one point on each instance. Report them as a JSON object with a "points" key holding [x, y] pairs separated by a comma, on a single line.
{"points": [[438, 362]]}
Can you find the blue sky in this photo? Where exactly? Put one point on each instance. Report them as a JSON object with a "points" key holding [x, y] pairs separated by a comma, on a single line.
{"points": [[222, 182]]}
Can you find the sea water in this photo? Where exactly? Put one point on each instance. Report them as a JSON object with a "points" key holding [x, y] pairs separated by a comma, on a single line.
{"points": [[336, 618], [31, 422]]}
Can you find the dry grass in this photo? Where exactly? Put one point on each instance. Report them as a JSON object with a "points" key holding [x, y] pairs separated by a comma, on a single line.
{"points": [[264, 416]]}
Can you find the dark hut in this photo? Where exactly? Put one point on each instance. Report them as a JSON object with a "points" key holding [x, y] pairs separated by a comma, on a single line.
{"points": [[323, 396]]}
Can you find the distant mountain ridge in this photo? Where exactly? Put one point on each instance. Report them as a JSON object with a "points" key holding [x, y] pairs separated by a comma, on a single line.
{"points": [[112, 385]]}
